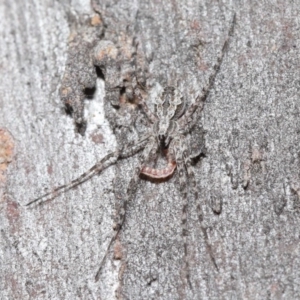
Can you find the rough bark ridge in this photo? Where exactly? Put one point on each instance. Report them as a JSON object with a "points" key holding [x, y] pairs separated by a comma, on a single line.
{"points": [[248, 182]]}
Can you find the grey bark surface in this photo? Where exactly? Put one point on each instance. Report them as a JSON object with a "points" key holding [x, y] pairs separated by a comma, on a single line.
{"points": [[249, 181]]}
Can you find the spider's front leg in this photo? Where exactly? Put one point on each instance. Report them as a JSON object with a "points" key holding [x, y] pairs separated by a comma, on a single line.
{"points": [[108, 160], [148, 153], [191, 116], [150, 115]]}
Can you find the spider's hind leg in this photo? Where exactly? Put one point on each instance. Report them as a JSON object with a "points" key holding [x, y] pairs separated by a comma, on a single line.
{"points": [[194, 188], [149, 151], [177, 149]]}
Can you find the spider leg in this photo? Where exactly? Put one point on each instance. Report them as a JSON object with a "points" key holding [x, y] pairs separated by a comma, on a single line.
{"points": [[189, 121], [133, 148], [148, 153], [193, 186], [108, 160], [150, 115], [177, 148], [197, 106]]}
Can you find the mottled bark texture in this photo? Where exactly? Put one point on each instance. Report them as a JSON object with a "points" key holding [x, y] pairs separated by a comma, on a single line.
{"points": [[248, 182]]}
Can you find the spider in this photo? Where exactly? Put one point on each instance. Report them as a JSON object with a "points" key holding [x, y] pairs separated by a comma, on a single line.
{"points": [[171, 122]]}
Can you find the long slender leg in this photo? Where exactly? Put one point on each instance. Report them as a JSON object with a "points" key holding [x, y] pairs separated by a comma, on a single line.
{"points": [[133, 148], [193, 187], [187, 124], [177, 149], [198, 104], [149, 151], [108, 160], [150, 115]]}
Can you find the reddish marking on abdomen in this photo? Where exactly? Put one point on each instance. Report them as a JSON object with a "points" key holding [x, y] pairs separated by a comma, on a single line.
{"points": [[160, 173]]}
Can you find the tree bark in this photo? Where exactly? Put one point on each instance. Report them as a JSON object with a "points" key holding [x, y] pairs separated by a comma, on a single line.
{"points": [[248, 182]]}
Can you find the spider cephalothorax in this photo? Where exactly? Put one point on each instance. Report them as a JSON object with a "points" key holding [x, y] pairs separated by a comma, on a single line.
{"points": [[169, 107]]}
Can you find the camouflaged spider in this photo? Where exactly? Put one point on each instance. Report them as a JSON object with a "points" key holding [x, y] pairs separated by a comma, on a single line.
{"points": [[171, 122]]}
